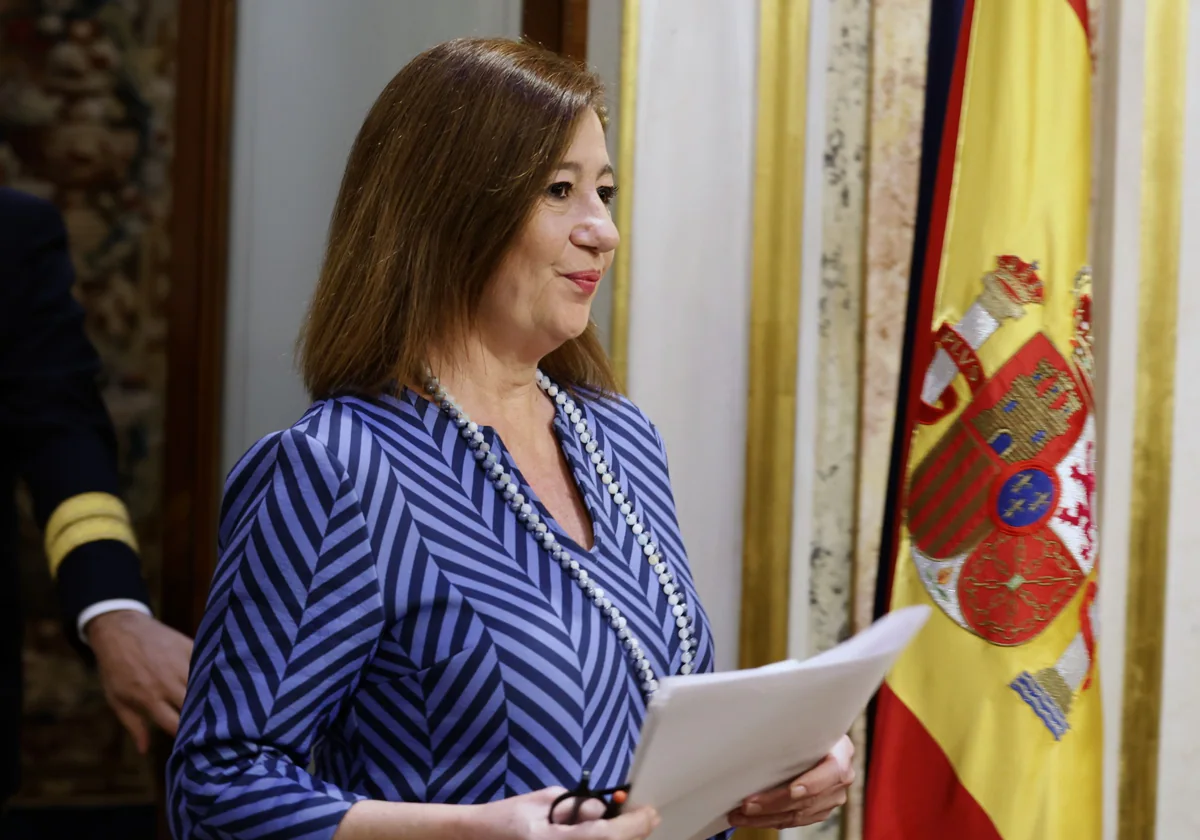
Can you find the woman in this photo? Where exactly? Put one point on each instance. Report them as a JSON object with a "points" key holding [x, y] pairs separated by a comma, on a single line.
{"points": [[459, 577]]}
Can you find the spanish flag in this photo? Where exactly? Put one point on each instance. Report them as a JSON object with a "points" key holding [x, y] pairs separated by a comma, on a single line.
{"points": [[989, 726]]}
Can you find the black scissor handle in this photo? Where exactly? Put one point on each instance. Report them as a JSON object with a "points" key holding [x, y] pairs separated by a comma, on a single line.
{"points": [[612, 799]]}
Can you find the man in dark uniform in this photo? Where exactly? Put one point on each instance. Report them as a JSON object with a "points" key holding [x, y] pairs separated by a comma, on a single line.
{"points": [[56, 436]]}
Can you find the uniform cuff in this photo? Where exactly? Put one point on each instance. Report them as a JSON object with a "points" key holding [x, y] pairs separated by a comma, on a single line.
{"points": [[101, 607], [98, 572]]}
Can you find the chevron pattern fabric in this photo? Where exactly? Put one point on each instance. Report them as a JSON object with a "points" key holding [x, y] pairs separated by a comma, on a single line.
{"points": [[381, 626]]}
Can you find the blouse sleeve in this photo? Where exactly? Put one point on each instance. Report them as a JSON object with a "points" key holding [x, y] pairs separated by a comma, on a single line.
{"points": [[293, 616]]}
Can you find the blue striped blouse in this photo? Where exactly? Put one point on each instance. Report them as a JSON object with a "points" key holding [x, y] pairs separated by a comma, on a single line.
{"points": [[381, 626]]}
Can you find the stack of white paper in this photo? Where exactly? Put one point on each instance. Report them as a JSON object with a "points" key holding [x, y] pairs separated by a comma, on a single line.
{"points": [[711, 740]]}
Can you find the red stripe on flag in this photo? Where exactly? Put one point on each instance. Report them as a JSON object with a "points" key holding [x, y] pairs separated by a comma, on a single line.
{"points": [[946, 544], [925, 480], [913, 792], [1081, 9], [954, 487]]}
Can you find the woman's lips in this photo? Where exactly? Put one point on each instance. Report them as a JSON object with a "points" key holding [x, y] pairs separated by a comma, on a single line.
{"points": [[585, 280]]}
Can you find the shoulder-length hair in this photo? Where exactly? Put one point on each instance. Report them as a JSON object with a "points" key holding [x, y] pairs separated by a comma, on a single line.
{"points": [[445, 172]]}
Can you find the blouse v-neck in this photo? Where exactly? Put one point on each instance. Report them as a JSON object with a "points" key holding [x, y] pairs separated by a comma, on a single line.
{"points": [[577, 461]]}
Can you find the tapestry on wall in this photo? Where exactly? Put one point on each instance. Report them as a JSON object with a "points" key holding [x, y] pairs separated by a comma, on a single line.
{"points": [[86, 120]]}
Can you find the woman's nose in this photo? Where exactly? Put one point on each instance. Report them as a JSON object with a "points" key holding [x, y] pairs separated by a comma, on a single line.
{"points": [[597, 232]]}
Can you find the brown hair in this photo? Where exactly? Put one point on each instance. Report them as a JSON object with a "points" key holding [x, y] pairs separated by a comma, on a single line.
{"points": [[445, 172]]}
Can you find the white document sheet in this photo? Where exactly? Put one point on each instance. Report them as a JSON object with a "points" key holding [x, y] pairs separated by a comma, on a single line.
{"points": [[711, 740]]}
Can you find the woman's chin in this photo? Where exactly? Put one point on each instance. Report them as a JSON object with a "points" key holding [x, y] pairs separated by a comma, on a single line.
{"points": [[570, 325]]}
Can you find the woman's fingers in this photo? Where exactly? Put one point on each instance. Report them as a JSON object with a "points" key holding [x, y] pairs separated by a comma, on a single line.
{"points": [[832, 774], [822, 804], [805, 811], [633, 825], [843, 755], [779, 800], [827, 775], [573, 811]]}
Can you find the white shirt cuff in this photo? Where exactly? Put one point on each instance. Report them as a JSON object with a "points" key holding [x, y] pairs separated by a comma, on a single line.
{"points": [[102, 607]]}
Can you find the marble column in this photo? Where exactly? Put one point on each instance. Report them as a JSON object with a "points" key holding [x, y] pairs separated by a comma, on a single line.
{"points": [[874, 98], [839, 321], [839, 317], [899, 38]]}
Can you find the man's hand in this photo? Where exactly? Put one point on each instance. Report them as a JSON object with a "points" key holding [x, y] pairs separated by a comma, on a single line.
{"points": [[143, 669]]}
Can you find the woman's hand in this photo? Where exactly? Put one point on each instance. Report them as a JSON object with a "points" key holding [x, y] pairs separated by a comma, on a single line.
{"points": [[810, 798], [517, 818], [528, 818]]}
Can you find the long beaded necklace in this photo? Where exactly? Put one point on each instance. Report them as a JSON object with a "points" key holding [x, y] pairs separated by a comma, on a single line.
{"points": [[506, 485]]}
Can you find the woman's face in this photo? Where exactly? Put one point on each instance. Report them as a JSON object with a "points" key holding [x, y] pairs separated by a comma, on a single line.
{"points": [[542, 293]]}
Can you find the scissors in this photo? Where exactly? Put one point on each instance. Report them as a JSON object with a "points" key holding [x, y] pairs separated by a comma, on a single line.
{"points": [[611, 798]]}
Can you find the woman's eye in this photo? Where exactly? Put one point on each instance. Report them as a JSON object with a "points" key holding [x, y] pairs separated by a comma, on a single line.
{"points": [[607, 194], [560, 189]]}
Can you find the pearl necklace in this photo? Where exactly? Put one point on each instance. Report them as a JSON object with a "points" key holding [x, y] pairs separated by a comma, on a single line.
{"points": [[511, 492]]}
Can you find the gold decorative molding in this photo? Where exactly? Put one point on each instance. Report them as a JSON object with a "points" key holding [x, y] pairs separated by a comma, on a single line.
{"points": [[774, 329], [626, 142], [1162, 178]]}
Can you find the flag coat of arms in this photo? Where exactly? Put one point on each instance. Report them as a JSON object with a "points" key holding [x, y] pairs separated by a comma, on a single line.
{"points": [[989, 726]]}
